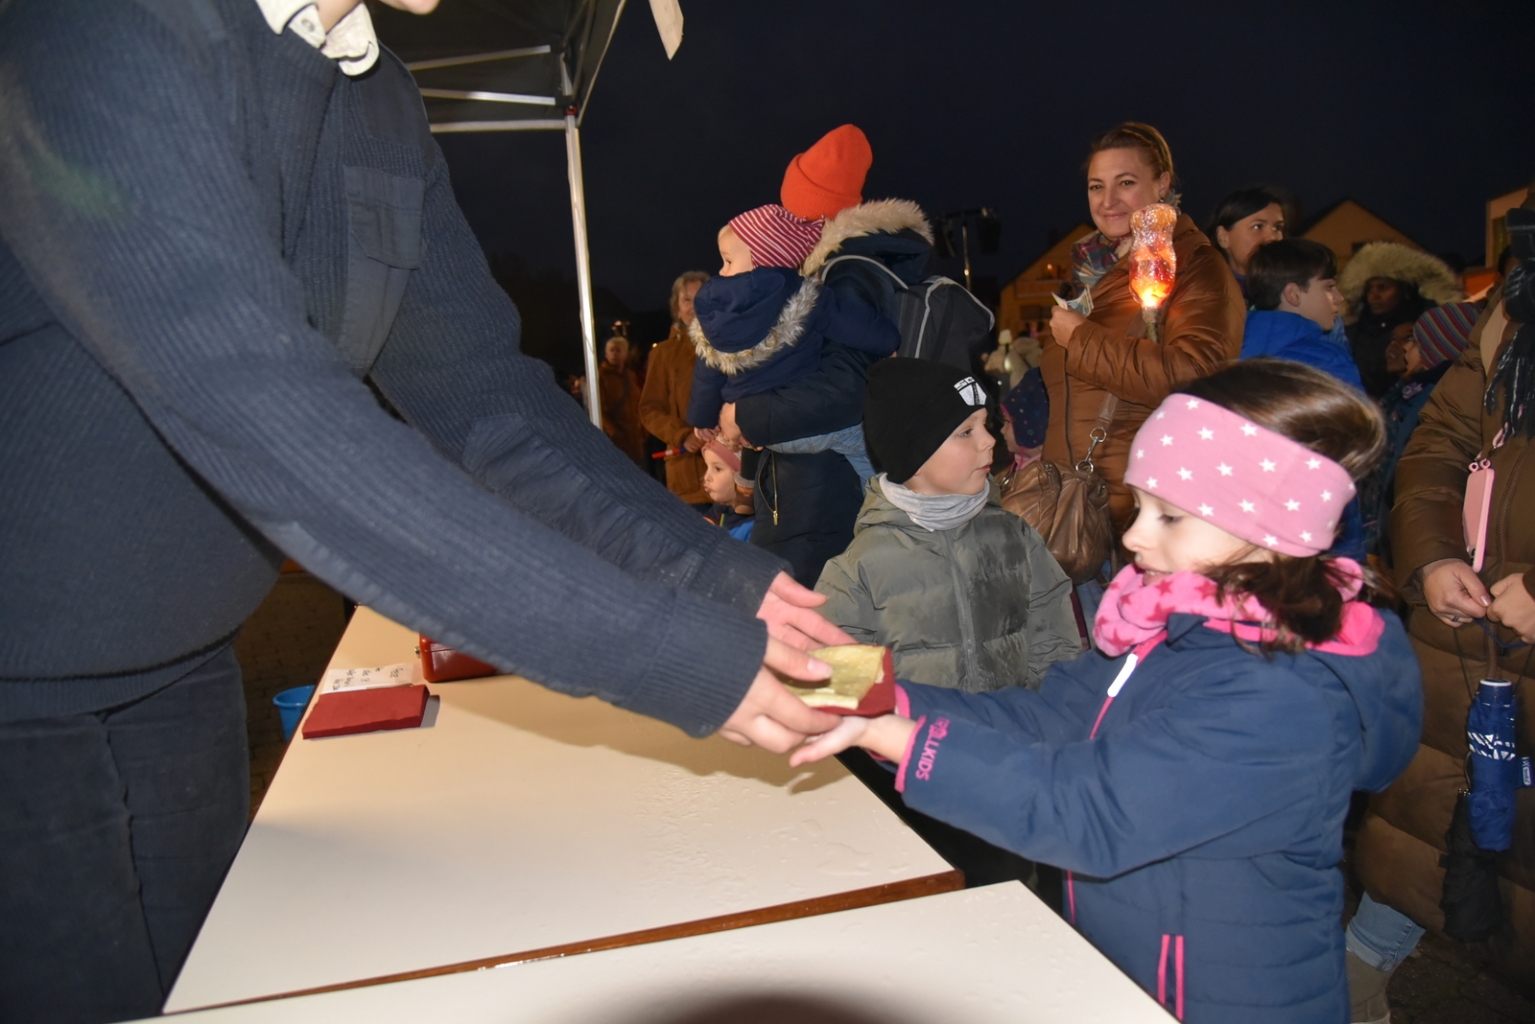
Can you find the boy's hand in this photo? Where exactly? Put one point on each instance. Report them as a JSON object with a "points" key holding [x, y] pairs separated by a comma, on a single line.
{"points": [[888, 736], [772, 717], [1513, 606], [787, 610]]}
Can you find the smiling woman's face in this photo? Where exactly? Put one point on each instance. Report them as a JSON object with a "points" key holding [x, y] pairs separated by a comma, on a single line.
{"points": [[1119, 182]]}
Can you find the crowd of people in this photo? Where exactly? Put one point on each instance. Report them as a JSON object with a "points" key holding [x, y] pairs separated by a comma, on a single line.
{"points": [[1375, 375], [226, 232]]}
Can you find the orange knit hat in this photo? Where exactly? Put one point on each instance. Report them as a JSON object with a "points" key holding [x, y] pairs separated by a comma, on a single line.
{"points": [[828, 177]]}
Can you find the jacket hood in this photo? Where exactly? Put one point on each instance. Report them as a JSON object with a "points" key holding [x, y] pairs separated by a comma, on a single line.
{"points": [[1430, 275], [743, 321], [878, 510], [880, 216]]}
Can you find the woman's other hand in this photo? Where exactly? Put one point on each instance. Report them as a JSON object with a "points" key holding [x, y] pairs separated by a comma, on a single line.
{"points": [[1454, 592], [1513, 606], [1062, 323]]}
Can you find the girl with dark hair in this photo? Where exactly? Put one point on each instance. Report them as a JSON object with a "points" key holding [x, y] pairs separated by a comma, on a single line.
{"points": [[1103, 373], [1245, 220], [1193, 778]]}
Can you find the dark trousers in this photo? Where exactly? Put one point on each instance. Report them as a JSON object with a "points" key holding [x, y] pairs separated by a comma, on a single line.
{"points": [[116, 829]]}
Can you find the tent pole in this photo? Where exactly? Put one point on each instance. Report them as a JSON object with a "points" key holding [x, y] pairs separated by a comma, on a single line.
{"points": [[583, 262]]}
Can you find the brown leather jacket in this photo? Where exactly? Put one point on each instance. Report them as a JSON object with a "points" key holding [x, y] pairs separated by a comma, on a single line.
{"points": [[1110, 353], [1402, 837], [664, 410]]}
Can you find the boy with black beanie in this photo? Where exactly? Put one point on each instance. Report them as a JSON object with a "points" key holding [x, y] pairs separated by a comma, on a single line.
{"points": [[964, 593]]}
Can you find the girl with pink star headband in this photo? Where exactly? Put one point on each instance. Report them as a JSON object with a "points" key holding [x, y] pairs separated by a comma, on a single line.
{"points": [[1192, 775]]}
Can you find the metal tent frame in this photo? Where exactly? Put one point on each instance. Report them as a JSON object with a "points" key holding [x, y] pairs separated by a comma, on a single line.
{"points": [[514, 65]]}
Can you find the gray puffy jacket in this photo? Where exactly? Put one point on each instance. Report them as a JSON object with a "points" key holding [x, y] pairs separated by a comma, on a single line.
{"points": [[975, 608]]}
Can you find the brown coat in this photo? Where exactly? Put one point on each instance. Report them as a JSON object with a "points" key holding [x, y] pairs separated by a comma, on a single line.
{"points": [[1110, 353], [664, 411], [620, 394], [1402, 837]]}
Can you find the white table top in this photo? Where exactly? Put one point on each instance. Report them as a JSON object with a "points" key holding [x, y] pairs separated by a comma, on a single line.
{"points": [[520, 820], [983, 956]]}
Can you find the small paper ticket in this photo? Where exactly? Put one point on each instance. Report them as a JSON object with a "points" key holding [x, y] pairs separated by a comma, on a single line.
{"points": [[336, 679], [1081, 304]]}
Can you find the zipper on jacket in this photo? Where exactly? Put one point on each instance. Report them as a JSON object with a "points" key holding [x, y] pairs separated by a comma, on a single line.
{"points": [[966, 616]]}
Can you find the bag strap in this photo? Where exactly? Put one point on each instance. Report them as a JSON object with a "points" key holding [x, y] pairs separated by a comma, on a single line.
{"points": [[1100, 431], [820, 275]]}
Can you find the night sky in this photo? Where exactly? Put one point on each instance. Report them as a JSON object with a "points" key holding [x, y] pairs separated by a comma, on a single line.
{"points": [[1419, 111]]}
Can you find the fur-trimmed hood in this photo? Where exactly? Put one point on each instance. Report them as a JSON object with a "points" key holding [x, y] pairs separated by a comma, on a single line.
{"points": [[888, 216], [745, 320], [1430, 275]]}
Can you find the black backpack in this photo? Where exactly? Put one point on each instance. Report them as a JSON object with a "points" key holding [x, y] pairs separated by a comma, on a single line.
{"points": [[938, 319]]}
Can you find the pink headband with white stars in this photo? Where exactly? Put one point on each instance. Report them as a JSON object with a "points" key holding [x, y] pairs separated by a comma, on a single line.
{"points": [[1246, 479]]}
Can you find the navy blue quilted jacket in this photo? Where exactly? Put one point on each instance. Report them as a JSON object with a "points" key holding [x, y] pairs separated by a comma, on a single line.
{"points": [[1203, 825]]}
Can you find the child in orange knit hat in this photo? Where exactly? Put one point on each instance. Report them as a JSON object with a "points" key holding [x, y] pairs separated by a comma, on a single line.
{"points": [[828, 177]]}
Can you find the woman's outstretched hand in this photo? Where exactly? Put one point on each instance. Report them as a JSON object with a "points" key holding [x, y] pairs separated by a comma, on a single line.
{"points": [[888, 736], [789, 611]]}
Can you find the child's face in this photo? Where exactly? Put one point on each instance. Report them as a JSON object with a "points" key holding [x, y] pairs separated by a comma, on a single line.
{"points": [[1320, 301], [961, 464], [719, 479], [735, 257], [1165, 539]]}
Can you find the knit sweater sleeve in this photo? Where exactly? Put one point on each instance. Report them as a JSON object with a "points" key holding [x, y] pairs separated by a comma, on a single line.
{"points": [[451, 366], [129, 207]]}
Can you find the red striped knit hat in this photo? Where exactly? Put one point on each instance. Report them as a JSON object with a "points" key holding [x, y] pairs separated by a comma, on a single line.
{"points": [[776, 237]]}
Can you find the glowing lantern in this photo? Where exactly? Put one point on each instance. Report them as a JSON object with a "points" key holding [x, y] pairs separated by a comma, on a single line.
{"points": [[1153, 265]]}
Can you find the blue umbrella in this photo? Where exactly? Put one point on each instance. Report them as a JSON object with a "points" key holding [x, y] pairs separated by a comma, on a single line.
{"points": [[1497, 772]]}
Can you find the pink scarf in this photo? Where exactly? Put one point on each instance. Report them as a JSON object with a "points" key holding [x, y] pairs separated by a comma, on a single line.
{"points": [[1134, 612]]}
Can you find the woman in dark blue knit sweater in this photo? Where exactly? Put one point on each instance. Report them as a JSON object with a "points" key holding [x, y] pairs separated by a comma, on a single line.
{"points": [[217, 219]]}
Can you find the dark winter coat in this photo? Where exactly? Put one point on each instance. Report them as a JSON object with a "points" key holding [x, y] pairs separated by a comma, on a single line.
{"points": [[806, 505], [1284, 335], [765, 329], [1203, 826], [976, 608]]}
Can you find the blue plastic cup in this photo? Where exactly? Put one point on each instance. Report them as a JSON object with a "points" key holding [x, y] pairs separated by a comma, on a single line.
{"points": [[290, 708]]}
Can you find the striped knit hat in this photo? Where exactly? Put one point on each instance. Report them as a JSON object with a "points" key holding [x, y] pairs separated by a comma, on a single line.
{"points": [[776, 237], [1443, 332]]}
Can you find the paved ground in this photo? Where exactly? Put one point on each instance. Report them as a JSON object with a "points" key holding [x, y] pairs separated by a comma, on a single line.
{"points": [[290, 639]]}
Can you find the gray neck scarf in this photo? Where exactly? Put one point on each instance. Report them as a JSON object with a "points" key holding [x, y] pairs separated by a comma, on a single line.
{"points": [[934, 512]]}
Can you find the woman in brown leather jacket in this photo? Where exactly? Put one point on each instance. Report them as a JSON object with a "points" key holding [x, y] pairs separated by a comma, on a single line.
{"points": [[1107, 354]]}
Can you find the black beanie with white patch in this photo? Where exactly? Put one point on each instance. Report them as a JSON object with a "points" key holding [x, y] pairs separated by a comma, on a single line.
{"points": [[911, 408]]}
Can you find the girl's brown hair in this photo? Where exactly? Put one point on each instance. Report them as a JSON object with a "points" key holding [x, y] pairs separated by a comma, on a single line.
{"points": [[1316, 410], [1134, 135]]}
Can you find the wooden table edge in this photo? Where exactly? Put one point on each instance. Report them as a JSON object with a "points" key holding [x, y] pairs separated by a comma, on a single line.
{"points": [[889, 892]]}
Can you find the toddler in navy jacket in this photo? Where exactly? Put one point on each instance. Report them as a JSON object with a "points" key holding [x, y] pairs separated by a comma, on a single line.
{"points": [[760, 326], [1192, 776]]}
